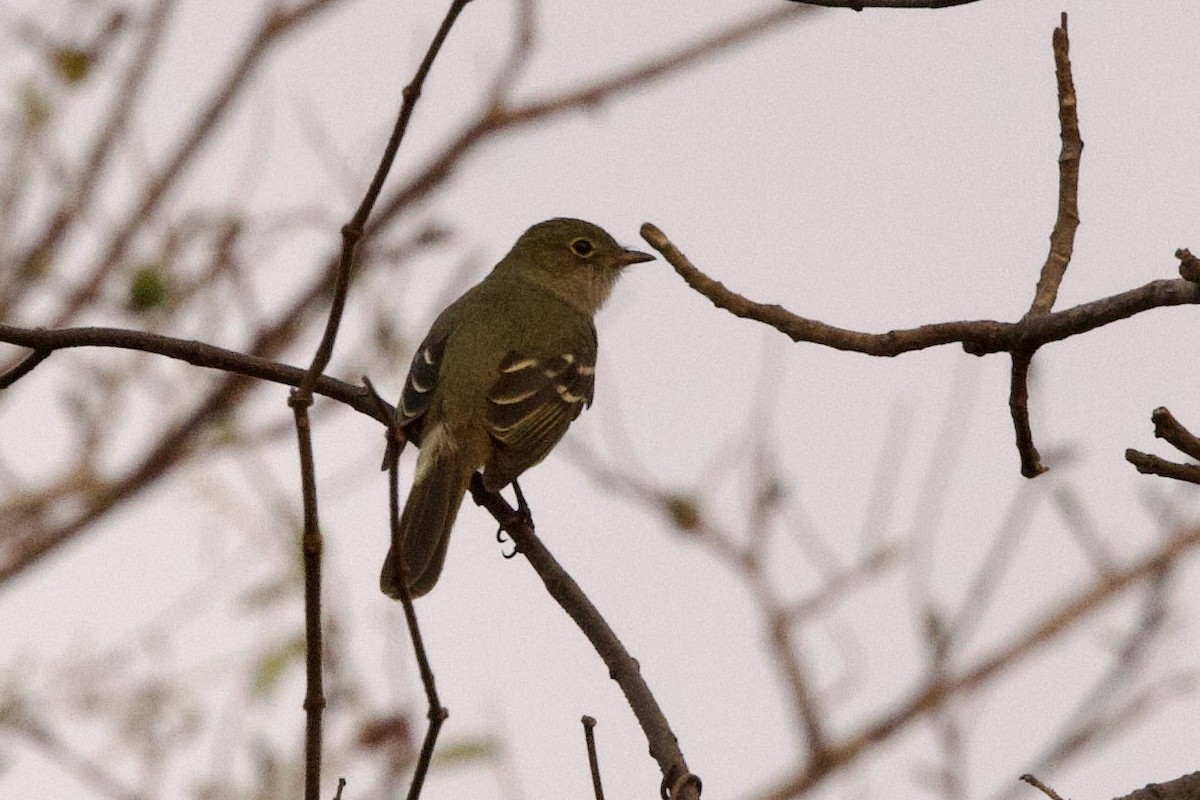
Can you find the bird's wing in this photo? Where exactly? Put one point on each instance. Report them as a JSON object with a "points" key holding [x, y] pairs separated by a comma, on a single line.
{"points": [[420, 383], [530, 407]]}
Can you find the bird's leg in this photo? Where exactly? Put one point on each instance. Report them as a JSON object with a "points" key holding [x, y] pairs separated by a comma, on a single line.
{"points": [[522, 516], [523, 511]]}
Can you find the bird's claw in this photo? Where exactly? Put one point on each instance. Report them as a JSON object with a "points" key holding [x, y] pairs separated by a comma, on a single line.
{"points": [[502, 537]]}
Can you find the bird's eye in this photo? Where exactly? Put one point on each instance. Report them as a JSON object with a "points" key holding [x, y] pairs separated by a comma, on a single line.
{"points": [[582, 247]]}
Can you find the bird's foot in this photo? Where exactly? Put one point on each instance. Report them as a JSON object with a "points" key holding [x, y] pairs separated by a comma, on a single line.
{"points": [[522, 516]]}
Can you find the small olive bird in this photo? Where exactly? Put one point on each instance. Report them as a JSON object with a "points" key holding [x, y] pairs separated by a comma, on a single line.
{"points": [[503, 372]]}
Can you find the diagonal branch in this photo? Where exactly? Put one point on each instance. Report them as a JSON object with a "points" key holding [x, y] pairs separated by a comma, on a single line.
{"points": [[622, 667]]}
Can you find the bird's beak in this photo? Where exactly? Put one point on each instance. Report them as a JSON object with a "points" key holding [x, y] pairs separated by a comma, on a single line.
{"points": [[627, 257]]}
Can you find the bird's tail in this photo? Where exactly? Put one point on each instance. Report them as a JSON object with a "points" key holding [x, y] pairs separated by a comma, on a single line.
{"points": [[437, 492]]}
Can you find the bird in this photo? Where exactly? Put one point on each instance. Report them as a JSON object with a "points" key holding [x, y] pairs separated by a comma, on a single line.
{"points": [[497, 381]]}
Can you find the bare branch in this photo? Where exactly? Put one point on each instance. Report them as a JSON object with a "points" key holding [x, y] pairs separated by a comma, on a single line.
{"points": [[1062, 238], [312, 546], [622, 667], [352, 231], [977, 337], [436, 713], [1062, 244], [300, 401], [1149, 464], [1169, 428], [46, 341], [1043, 788], [174, 444], [1018, 405], [589, 735]]}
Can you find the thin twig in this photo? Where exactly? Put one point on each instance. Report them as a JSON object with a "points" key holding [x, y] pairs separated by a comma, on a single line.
{"points": [[593, 93], [524, 35], [499, 118], [301, 399], [1062, 238], [793, 668], [311, 544], [837, 586], [352, 232], [1098, 714], [1046, 790], [436, 713], [1062, 245], [589, 736], [1083, 529], [1149, 464], [1169, 428], [24, 367], [992, 571], [1018, 407]]}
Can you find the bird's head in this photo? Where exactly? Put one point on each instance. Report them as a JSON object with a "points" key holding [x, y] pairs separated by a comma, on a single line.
{"points": [[576, 260]]}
